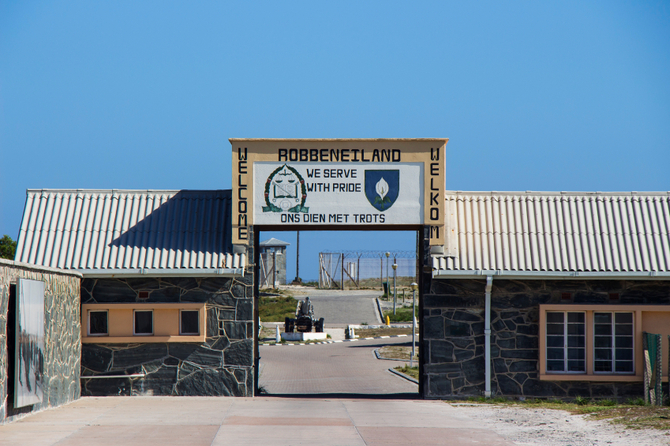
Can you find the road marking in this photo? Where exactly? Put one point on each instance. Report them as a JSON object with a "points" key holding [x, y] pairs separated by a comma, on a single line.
{"points": [[339, 340]]}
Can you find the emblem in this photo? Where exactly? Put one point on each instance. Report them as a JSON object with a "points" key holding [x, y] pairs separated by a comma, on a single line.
{"points": [[382, 188], [285, 191]]}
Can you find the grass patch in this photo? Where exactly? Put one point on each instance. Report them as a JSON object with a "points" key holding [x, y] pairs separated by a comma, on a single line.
{"points": [[409, 371], [374, 332], [397, 352], [634, 414], [402, 314], [276, 308]]}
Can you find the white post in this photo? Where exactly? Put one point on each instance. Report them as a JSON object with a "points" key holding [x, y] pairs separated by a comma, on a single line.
{"points": [[414, 287], [487, 336], [277, 335]]}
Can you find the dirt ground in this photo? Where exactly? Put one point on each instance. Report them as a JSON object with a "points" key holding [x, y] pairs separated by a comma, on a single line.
{"points": [[534, 426]]}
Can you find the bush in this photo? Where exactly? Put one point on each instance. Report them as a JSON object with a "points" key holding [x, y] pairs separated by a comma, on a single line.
{"points": [[581, 401], [607, 402], [636, 402]]}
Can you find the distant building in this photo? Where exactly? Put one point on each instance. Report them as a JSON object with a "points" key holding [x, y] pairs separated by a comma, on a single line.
{"points": [[272, 268]]}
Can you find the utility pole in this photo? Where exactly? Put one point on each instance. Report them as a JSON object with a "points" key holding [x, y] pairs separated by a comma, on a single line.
{"points": [[297, 258], [388, 254], [274, 268], [395, 267]]}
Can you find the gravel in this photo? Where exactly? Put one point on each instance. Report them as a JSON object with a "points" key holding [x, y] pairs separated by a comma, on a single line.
{"points": [[532, 426]]}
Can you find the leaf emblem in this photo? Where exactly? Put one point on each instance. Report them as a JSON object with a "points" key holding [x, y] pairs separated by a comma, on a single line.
{"points": [[382, 188]]}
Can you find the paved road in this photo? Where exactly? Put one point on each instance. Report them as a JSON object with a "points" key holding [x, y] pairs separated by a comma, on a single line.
{"points": [[349, 368], [212, 421], [347, 397], [336, 408], [343, 307]]}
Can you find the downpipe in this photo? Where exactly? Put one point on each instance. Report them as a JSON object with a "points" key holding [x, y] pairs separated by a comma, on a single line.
{"points": [[487, 336]]}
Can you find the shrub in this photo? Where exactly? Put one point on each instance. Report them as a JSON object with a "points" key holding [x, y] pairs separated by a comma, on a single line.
{"points": [[581, 401]]}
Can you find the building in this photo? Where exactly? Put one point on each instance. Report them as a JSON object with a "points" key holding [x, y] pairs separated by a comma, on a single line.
{"points": [[555, 289], [534, 294], [272, 267], [47, 359], [165, 305]]}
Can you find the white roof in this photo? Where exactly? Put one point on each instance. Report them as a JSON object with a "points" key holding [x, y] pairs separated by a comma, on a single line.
{"points": [[557, 232], [273, 242], [128, 230]]}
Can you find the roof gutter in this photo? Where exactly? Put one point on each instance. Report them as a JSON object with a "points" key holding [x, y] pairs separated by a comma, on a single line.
{"points": [[558, 275], [161, 272]]}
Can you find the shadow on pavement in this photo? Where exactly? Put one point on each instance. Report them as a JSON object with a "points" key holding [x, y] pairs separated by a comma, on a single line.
{"points": [[347, 396]]}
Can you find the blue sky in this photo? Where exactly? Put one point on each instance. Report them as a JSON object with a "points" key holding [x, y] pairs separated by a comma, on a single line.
{"points": [[144, 95]]}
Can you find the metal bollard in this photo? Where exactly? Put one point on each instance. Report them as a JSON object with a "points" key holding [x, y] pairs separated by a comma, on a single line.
{"points": [[277, 335]]}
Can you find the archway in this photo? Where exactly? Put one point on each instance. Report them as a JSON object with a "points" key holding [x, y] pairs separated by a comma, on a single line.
{"points": [[339, 185]]}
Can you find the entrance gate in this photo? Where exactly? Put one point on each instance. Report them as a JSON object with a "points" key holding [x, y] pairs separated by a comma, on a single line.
{"points": [[339, 184]]}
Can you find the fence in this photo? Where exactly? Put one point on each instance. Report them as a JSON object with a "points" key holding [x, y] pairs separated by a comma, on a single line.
{"points": [[366, 269]]}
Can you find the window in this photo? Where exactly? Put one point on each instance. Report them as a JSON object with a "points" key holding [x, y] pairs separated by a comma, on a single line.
{"points": [[97, 323], [613, 342], [189, 323], [123, 323], [601, 342], [144, 322], [566, 342]]}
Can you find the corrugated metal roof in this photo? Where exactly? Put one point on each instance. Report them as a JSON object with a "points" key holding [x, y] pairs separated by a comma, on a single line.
{"points": [[128, 229], [557, 232]]}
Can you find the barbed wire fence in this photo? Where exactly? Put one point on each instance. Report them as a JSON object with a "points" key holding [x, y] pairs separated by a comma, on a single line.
{"points": [[366, 269]]}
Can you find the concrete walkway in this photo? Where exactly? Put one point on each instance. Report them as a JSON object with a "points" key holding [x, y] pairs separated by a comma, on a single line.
{"points": [[205, 421], [346, 368]]}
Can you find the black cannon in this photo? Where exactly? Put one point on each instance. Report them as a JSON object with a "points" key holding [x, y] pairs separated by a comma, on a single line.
{"points": [[304, 320]]}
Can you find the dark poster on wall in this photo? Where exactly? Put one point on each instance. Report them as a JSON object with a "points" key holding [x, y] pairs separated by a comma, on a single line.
{"points": [[29, 363]]}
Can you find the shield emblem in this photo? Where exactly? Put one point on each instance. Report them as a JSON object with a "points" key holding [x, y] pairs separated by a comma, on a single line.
{"points": [[382, 188]]}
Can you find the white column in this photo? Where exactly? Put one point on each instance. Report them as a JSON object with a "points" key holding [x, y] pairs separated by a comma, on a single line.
{"points": [[487, 336]]}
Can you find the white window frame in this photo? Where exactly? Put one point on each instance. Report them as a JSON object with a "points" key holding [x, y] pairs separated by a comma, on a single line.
{"points": [[88, 325], [565, 347], [613, 337], [181, 333]]}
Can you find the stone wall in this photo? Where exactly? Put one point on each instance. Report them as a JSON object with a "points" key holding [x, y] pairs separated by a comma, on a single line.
{"points": [[62, 336], [223, 365], [453, 318]]}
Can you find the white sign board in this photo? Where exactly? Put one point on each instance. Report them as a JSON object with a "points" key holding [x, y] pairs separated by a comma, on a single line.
{"points": [[338, 193]]}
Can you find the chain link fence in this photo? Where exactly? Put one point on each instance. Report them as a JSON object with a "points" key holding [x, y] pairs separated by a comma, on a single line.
{"points": [[366, 269]]}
